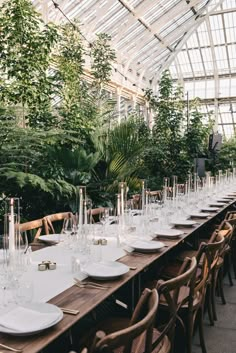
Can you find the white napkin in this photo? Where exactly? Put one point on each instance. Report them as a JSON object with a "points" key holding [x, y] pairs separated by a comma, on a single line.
{"points": [[23, 319]]}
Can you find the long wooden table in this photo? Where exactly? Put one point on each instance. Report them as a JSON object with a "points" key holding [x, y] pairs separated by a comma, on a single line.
{"points": [[85, 299]]}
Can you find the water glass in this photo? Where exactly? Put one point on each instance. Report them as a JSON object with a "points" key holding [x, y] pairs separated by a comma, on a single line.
{"points": [[23, 291]]}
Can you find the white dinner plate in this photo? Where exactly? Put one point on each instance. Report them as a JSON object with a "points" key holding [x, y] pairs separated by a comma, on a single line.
{"points": [[57, 238], [200, 215], [54, 314], [168, 233], [210, 209], [217, 204], [147, 246], [105, 270], [184, 223]]}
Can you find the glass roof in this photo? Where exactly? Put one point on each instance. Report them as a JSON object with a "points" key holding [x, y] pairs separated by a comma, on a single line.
{"points": [[195, 38], [207, 66]]}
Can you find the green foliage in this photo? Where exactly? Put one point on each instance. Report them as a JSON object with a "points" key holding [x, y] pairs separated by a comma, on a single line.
{"points": [[227, 155], [196, 134], [25, 48], [102, 57], [165, 155]]}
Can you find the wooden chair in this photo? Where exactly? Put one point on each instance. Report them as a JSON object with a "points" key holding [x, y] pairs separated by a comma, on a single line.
{"points": [[222, 265], [94, 214], [231, 216], [32, 228], [207, 257], [59, 218], [128, 335], [155, 196], [176, 292]]}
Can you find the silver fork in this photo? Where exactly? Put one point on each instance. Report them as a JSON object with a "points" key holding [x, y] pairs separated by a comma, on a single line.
{"points": [[11, 348], [88, 283]]}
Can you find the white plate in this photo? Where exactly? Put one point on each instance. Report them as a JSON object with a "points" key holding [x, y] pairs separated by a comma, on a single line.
{"points": [[168, 233], [105, 270], [200, 215], [184, 223], [51, 238], [43, 308], [217, 204], [147, 246], [210, 209]]}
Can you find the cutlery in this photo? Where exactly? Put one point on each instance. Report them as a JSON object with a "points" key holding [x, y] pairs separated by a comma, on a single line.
{"points": [[69, 311], [89, 286], [133, 268], [134, 253], [10, 348], [87, 283]]}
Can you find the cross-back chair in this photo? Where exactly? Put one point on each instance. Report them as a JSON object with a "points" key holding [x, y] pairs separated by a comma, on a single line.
{"points": [[56, 220], [174, 293], [222, 264], [33, 229], [124, 335]]}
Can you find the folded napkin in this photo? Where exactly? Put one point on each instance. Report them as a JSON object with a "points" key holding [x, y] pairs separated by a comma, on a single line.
{"points": [[21, 319]]}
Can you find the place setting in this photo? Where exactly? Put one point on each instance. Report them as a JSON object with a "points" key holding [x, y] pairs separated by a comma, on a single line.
{"points": [[29, 318]]}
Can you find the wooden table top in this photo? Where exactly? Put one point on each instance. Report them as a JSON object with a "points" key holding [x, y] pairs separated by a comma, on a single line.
{"points": [[85, 299]]}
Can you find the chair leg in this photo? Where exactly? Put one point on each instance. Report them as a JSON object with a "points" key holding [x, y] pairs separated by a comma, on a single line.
{"points": [[201, 333], [209, 304], [228, 267], [190, 332], [213, 295], [233, 259], [220, 285]]}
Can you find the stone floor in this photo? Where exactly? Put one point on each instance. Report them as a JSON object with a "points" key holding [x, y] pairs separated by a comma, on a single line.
{"points": [[221, 338]]}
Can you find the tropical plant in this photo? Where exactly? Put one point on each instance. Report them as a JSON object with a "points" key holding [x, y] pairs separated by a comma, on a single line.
{"points": [[166, 155], [25, 48]]}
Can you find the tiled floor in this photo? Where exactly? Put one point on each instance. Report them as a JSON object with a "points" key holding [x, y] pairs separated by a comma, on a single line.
{"points": [[221, 338]]}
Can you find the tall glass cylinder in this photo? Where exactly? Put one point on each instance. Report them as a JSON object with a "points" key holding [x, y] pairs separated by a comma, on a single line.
{"points": [[11, 224]]}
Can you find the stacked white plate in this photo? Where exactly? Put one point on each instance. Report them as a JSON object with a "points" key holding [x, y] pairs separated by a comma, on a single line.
{"points": [[217, 204], [55, 238], [147, 245], [168, 233], [105, 270], [183, 223], [209, 209], [28, 319], [199, 215]]}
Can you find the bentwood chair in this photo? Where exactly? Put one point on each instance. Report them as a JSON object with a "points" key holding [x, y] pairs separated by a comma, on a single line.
{"points": [[222, 265], [231, 216], [94, 214], [128, 335], [175, 293], [207, 257], [56, 220], [32, 228]]}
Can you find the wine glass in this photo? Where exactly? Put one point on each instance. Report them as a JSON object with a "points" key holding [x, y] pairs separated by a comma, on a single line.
{"points": [[104, 216]]}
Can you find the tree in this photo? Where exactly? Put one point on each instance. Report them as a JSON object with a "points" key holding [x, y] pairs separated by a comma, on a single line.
{"points": [[25, 51]]}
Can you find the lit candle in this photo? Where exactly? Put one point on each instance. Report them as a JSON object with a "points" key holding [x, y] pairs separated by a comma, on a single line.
{"points": [[122, 197], [11, 227], [118, 205], [85, 213], [80, 207], [143, 195]]}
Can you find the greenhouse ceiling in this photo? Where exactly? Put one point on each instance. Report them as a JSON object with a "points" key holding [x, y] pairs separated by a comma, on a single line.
{"points": [[195, 38]]}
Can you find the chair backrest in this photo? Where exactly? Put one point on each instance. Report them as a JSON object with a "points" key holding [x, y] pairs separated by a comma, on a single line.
{"points": [[207, 258], [32, 228], [94, 213], [155, 195], [139, 332], [171, 291], [58, 218]]}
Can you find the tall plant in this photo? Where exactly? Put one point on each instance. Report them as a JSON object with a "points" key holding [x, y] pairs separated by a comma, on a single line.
{"points": [[25, 48], [166, 155]]}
